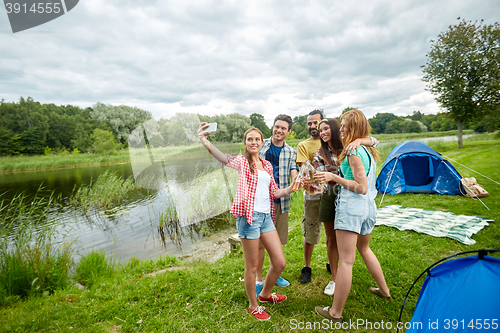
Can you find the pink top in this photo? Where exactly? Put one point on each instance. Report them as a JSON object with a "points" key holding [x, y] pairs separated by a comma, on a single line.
{"points": [[243, 203]]}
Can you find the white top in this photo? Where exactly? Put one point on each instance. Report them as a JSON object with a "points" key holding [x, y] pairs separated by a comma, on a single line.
{"points": [[262, 203]]}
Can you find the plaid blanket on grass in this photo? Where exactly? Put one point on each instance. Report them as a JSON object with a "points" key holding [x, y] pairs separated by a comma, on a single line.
{"points": [[431, 222]]}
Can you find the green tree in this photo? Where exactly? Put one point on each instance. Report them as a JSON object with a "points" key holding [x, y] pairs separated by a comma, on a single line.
{"points": [[349, 108], [176, 135], [489, 123], [104, 141], [189, 123], [300, 127], [10, 143], [122, 119], [33, 141], [463, 71], [291, 136], [257, 120], [380, 121], [443, 122], [417, 115], [230, 128], [237, 125]]}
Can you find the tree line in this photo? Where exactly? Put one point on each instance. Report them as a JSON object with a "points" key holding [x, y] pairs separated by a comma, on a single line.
{"points": [[31, 128], [28, 127]]}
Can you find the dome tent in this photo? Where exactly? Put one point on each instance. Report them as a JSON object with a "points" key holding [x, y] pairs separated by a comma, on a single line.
{"points": [[458, 294], [414, 167]]}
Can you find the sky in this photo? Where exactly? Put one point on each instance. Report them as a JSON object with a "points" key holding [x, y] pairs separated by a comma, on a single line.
{"points": [[222, 57]]}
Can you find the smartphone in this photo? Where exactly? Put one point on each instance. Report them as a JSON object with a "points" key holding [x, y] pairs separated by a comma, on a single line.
{"points": [[212, 127]]}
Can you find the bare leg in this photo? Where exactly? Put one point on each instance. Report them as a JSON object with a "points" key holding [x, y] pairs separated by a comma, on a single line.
{"points": [[308, 251], [277, 261], [251, 255], [331, 249], [262, 255], [346, 244], [372, 263]]}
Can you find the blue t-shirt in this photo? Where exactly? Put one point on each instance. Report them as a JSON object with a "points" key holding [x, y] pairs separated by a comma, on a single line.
{"points": [[273, 156]]}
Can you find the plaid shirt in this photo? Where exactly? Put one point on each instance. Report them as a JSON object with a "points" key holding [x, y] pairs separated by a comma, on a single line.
{"points": [[321, 165], [288, 156], [243, 203]]}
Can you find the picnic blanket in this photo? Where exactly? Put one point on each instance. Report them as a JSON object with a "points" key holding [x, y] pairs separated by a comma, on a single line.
{"points": [[432, 222]]}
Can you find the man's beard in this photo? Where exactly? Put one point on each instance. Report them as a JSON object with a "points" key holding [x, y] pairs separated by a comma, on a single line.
{"points": [[315, 135]]}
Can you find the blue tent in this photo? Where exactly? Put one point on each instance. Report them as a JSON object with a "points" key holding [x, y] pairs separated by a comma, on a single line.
{"points": [[414, 167], [459, 295]]}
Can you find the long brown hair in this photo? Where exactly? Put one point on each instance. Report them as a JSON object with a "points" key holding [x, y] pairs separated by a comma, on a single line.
{"points": [[246, 153], [356, 126], [335, 141]]}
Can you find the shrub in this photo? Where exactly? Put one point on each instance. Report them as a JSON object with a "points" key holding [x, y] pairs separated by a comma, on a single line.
{"points": [[48, 151]]}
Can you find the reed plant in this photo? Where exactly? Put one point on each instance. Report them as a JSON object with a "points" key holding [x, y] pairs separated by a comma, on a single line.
{"points": [[32, 260], [92, 267], [107, 190]]}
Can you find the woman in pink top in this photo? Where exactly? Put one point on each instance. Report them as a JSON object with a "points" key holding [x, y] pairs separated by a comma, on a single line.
{"points": [[254, 212]]}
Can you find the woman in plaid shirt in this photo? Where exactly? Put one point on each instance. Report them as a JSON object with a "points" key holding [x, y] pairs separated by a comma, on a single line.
{"points": [[253, 209]]}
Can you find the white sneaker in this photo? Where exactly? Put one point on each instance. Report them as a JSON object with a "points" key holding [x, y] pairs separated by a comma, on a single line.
{"points": [[330, 288]]}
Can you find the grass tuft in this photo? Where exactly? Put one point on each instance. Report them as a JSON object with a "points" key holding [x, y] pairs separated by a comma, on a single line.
{"points": [[92, 267], [107, 190]]}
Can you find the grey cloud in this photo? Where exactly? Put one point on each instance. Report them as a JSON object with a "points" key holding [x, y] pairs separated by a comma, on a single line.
{"points": [[242, 53]]}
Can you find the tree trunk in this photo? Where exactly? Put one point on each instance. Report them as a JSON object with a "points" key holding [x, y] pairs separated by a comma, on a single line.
{"points": [[460, 141]]}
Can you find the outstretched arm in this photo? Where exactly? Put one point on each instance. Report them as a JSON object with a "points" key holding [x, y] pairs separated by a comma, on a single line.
{"points": [[287, 190], [220, 156]]}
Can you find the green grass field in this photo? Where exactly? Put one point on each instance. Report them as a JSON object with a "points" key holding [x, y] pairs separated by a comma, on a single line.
{"points": [[196, 296]]}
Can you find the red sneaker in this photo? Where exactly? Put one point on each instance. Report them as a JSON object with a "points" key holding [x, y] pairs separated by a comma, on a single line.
{"points": [[274, 298], [259, 313]]}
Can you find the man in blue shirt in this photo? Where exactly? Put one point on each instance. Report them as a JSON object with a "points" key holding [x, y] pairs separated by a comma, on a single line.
{"points": [[282, 158]]}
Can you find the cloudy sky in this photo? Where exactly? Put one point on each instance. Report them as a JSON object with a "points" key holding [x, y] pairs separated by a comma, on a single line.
{"points": [[220, 57]]}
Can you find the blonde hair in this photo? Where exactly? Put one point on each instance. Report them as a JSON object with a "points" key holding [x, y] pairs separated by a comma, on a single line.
{"points": [[356, 126], [246, 153]]}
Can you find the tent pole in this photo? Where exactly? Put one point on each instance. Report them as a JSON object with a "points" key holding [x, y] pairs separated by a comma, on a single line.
{"points": [[392, 172], [472, 170], [469, 189]]}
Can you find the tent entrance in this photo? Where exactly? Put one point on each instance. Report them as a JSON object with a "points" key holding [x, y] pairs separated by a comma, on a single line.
{"points": [[419, 171]]}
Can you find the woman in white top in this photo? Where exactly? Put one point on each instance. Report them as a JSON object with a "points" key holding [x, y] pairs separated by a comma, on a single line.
{"points": [[253, 209]]}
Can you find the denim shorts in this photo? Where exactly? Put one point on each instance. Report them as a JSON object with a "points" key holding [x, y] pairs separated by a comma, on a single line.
{"points": [[355, 212], [261, 223]]}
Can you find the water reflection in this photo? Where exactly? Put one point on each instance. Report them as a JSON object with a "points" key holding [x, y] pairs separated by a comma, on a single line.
{"points": [[142, 224], [170, 230]]}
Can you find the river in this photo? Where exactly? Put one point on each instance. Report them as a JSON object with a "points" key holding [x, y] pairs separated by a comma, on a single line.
{"points": [[139, 225]]}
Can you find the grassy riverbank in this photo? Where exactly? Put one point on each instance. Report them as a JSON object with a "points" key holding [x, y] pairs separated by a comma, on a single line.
{"points": [[168, 295], [59, 161]]}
